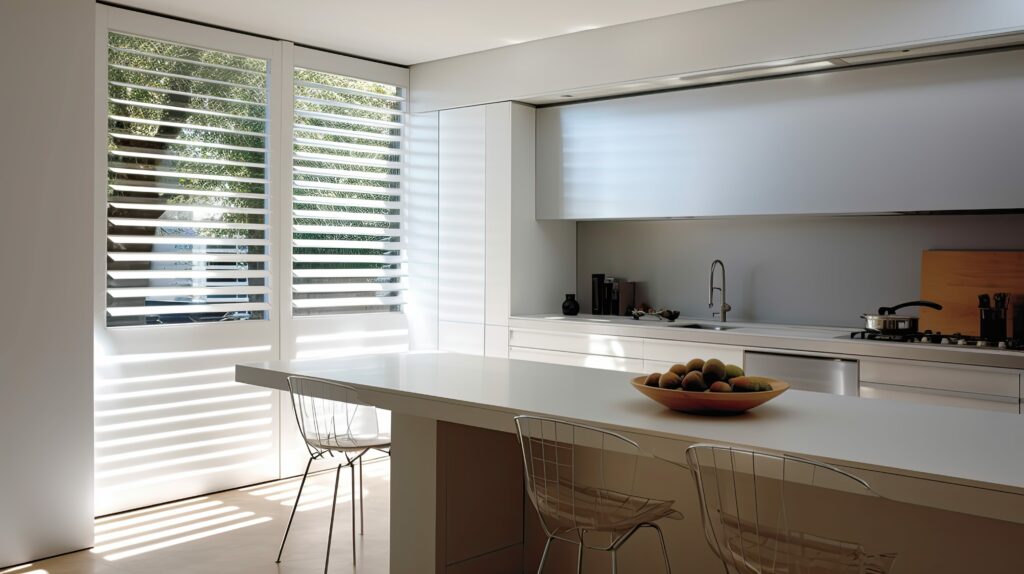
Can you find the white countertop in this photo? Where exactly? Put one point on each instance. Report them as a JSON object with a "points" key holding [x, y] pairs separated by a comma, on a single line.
{"points": [[963, 446], [830, 340]]}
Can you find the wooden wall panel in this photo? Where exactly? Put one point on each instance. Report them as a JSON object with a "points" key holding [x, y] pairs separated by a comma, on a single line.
{"points": [[480, 484], [955, 278]]}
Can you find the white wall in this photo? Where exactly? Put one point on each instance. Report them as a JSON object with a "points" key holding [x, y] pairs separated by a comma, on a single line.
{"points": [[46, 158], [797, 270], [722, 36]]}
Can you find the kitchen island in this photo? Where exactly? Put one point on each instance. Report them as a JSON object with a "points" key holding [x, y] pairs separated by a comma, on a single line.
{"points": [[957, 467]]}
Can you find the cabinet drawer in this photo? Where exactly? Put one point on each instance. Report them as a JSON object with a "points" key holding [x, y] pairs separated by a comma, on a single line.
{"points": [[585, 343], [941, 376], [682, 351], [577, 359], [938, 397]]}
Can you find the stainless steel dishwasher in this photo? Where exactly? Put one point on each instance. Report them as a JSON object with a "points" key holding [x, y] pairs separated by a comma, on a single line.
{"points": [[820, 374]]}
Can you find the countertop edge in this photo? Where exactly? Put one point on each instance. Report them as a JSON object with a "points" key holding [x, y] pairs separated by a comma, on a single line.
{"points": [[845, 348]]}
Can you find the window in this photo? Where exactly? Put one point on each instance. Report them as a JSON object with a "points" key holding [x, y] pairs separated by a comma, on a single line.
{"points": [[187, 195], [346, 234]]}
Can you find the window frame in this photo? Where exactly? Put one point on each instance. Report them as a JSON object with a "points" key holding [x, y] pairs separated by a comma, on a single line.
{"points": [[282, 58]]}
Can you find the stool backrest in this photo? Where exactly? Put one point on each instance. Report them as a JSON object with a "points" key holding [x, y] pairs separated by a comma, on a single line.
{"points": [[769, 513], [576, 475], [330, 416]]}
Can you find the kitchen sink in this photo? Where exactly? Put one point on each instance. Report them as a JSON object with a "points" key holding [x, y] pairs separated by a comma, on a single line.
{"points": [[705, 326]]}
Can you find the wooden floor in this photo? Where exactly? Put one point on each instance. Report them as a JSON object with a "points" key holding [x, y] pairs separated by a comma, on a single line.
{"points": [[240, 531]]}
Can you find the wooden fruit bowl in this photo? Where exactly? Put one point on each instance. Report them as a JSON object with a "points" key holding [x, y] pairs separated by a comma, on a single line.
{"points": [[709, 403]]}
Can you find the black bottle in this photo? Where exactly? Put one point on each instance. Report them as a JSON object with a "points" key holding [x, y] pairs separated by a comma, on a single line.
{"points": [[570, 306]]}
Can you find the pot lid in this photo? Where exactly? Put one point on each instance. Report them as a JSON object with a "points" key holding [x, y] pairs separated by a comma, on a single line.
{"points": [[884, 317]]}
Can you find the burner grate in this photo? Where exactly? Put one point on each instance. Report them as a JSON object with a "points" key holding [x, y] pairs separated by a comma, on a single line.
{"points": [[929, 337]]}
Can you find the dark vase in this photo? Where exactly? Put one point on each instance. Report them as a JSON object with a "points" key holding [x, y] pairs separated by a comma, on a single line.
{"points": [[570, 306]]}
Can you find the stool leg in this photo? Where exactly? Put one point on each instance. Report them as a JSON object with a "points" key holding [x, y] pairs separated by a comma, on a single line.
{"points": [[334, 506], [664, 549], [615, 561], [292, 517], [362, 523], [544, 556], [352, 468], [579, 559]]}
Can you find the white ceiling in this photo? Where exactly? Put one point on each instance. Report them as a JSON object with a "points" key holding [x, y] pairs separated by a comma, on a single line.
{"points": [[413, 31]]}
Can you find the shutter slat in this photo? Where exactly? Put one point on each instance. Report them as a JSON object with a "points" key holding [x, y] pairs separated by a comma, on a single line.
{"points": [[347, 230], [157, 90], [173, 240], [186, 257], [185, 110], [345, 160], [127, 292], [347, 146], [186, 308], [167, 58], [344, 216], [190, 208], [367, 273], [350, 106], [259, 88], [346, 201], [189, 143], [120, 152], [345, 174], [171, 223], [345, 119], [347, 302], [185, 126], [345, 187], [348, 91], [347, 287], [181, 191], [349, 244], [184, 175], [314, 258], [354, 134], [187, 274]]}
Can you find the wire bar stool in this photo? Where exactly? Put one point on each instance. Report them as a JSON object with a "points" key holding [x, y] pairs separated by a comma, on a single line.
{"points": [[582, 481], [753, 507], [334, 424]]}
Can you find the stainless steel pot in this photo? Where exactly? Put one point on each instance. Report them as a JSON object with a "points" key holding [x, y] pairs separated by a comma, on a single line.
{"points": [[889, 323]]}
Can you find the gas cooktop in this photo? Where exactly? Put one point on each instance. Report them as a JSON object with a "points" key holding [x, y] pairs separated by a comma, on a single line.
{"points": [[930, 338]]}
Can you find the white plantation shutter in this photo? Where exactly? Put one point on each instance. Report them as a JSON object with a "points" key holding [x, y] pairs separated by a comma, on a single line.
{"points": [[347, 252], [187, 209]]}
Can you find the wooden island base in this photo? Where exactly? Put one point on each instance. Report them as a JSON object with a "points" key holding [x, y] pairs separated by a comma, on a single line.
{"points": [[486, 524]]}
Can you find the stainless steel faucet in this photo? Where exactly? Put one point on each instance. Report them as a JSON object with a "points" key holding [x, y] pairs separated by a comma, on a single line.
{"points": [[725, 308]]}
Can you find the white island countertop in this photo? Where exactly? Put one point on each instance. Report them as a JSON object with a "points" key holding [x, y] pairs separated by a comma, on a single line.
{"points": [[943, 444]]}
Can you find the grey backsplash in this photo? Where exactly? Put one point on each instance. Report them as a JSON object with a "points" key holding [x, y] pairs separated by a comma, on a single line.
{"points": [[791, 270]]}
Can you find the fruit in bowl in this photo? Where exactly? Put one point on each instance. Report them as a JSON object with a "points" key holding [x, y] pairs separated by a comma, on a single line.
{"points": [[709, 386]]}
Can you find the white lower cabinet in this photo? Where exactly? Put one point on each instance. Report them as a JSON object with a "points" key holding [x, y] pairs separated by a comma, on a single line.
{"points": [[663, 354], [577, 359], [926, 396], [941, 384], [582, 343]]}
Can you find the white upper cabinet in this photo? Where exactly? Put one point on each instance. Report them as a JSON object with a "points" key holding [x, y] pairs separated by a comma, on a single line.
{"points": [[498, 218], [932, 135]]}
